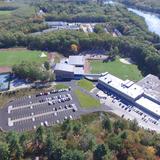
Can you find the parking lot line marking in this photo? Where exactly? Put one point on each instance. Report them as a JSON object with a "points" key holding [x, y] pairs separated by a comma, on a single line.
{"points": [[37, 115]]}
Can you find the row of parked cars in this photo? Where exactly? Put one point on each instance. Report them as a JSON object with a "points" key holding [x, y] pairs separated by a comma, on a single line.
{"points": [[74, 108], [59, 99], [53, 92], [67, 106]]}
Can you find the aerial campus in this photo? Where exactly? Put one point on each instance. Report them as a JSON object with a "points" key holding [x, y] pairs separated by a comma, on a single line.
{"points": [[126, 98], [79, 80]]}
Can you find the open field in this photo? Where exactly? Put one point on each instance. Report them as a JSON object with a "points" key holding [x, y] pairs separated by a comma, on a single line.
{"points": [[11, 57], [117, 68], [83, 83], [86, 101], [5, 13]]}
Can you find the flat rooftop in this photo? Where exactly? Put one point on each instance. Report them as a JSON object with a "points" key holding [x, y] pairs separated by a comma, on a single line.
{"points": [[132, 90], [64, 67], [78, 71], [151, 86], [149, 105], [76, 60]]}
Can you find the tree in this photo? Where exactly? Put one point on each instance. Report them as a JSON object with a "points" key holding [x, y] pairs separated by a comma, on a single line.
{"points": [[49, 144], [23, 141], [73, 155], [134, 125], [4, 151], [74, 48], [47, 65], [115, 143], [87, 142], [99, 29], [76, 128], [99, 152], [57, 150], [14, 147], [39, 136], [107, 124], [19, 152]]}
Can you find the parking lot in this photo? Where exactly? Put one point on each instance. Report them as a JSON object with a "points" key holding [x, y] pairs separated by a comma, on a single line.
{"points": [[43, 109], [128, 110]]}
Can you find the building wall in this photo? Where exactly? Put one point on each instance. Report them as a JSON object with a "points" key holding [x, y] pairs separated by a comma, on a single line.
{"points": [[60, 75]]}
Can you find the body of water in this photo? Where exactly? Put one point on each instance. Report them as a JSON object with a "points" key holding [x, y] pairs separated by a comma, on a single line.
{"points": [[152, 20]]}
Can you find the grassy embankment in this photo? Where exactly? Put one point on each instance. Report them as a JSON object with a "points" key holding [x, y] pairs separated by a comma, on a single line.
{"points": [[86, 101], [83, 83]]}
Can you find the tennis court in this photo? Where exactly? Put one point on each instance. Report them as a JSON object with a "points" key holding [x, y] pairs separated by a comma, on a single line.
{"points": [[4, 81]]}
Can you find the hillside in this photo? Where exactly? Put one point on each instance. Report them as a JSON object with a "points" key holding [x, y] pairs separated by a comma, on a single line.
{"points": [[148, 5]]}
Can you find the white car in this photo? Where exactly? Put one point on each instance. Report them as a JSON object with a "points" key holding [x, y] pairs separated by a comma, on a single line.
{"points": [[50, 103], [55, 114], [70, 117], [42, 124], [57, 121], [46, 123], [65, 118]]}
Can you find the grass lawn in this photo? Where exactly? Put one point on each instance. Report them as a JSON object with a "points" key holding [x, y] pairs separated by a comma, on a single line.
{"points": [[5, 13], [83, 83], [61, 86], [11, 57], [117, 68], [86, 101]]}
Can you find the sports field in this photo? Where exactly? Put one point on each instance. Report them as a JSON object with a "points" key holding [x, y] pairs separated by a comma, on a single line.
{"points": [[11, 57], [5, 12], [117, 68], [4, 81]]}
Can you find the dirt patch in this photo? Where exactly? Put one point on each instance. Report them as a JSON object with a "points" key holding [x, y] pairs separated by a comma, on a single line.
{"points": [[87, 68], [126, 60], [13, 49]]}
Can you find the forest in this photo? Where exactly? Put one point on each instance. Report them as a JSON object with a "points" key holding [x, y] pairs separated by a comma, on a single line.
{"points": [[98, 136]]}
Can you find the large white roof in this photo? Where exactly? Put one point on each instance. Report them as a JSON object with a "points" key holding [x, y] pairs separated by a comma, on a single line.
{"points": [[78, 71], [64, 67], [133, 90], [149, 105], [76, 60]]}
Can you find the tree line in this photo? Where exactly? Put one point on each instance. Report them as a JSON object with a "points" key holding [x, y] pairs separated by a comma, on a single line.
{"points": [[145, 55]]}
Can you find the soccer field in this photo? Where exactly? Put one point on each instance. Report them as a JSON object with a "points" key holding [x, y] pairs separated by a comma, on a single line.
{"points": [[117, 68], [11, 57]]}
